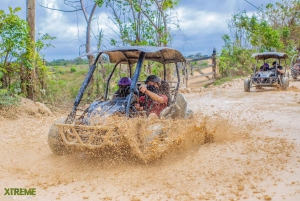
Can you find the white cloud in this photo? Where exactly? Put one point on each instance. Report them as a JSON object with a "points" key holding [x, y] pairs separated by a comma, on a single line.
{"points": [[203, 22]]}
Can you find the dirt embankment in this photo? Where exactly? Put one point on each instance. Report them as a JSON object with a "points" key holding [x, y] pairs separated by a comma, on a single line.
{"points": [[253, 153]]}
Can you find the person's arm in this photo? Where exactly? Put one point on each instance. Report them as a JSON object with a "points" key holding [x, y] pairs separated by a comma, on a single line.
{"points": [[155, 97], [152, 95], [280, 69]]}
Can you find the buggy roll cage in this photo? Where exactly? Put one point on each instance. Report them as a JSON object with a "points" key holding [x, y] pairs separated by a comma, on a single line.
{"points": [[130, 55], [270, 55]]}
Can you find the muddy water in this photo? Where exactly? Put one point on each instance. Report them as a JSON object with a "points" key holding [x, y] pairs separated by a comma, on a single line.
{"points": [[246, 148]]}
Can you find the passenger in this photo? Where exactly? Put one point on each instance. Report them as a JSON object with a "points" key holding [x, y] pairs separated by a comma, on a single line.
{"points": [[264, 67], [124, 87], [279, 68], [155, 101]]}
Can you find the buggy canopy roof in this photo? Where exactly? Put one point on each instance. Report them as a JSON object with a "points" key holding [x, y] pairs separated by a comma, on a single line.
{"points": [[268, 55], [130, 54]]}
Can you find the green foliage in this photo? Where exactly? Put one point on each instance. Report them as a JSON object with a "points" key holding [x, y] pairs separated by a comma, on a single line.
{"points": [[273, 32], [284, 16], [203, 64], [252, 31], [22, 70], [235, 61], [73, 69], [99, 2], [14, 38], [224, 80], [65, 62], [40, 43], [7, 98], [143, 22]]}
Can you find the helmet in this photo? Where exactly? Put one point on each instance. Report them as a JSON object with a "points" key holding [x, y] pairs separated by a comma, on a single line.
{"points": [[266, 65], [153, 78], [124, 81]]}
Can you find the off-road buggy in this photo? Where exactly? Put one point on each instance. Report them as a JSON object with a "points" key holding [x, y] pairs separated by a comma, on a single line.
{"points": [[263, 76], [88, 130], [295, 69]]}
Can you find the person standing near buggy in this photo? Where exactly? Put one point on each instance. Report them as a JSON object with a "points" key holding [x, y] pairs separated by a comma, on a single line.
{"points": [[153, 101]]}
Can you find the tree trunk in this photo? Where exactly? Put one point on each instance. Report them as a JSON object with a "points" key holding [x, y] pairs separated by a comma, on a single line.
{"points": [[23, 79], [31, 72]]}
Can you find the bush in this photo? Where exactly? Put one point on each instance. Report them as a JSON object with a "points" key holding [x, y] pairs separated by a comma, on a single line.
{"points": [[236, 62], [73, 69], [7, 98]]}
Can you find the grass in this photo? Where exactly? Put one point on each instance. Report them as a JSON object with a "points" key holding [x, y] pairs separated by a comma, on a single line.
{"points": [[64, 84], [225, 79], [66, 81], [222, 80]]}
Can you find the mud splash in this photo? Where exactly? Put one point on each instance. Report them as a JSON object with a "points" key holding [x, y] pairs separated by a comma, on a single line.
{"points": [[150, 140]]}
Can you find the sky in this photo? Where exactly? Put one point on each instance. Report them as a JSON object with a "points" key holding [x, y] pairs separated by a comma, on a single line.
{"points": [[202, 25]]}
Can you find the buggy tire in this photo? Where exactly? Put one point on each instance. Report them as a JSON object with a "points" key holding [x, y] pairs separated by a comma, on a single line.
{"points": [[294, 73], [246, 85], [285, 83], [55, 141], [287, 74]]}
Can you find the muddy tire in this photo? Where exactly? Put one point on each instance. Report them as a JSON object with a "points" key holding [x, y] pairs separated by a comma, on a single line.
{"points": [[287, 75], [285, 83], [246, 85], [55, 141], [294, 73]]}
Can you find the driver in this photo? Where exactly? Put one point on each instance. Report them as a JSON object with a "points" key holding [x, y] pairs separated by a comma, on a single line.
{"points": [[153, 101], [279, 68], [124, 85]]}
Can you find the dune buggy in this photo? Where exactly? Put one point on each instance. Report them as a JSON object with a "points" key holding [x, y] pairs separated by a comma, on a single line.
{"points": [[295, 69], [88, 129], [264, 76]]}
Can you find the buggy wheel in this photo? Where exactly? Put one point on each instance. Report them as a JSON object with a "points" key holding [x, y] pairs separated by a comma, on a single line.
{"points": [[285, 83], [287, 74], [246, 85], [55, 141]]}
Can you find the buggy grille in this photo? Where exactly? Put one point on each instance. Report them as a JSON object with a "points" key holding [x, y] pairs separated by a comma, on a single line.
{"points": [[89, 136]]}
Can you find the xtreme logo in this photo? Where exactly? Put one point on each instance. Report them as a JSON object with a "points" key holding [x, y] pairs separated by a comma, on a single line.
{"points": [[20, 191]]}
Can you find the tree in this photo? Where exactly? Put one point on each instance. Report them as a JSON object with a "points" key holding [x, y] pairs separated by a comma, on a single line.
{"points": [[17, 56], [284, 16], [14, 39], [143, 22], [247, 35], [88, 16]]}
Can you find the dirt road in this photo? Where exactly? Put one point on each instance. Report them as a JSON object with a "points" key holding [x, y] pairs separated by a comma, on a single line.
{"points": [[255, 155]]}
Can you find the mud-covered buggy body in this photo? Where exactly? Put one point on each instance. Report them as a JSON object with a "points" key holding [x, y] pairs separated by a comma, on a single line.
{"points": [[295, 69], [90, 130], [268, 77]]}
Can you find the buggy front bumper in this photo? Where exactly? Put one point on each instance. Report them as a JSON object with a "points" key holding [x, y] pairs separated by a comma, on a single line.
{"points": [[90, 137]]}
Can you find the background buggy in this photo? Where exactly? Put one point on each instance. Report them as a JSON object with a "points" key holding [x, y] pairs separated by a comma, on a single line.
{"points": [[268, 77], [295, 72]]}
